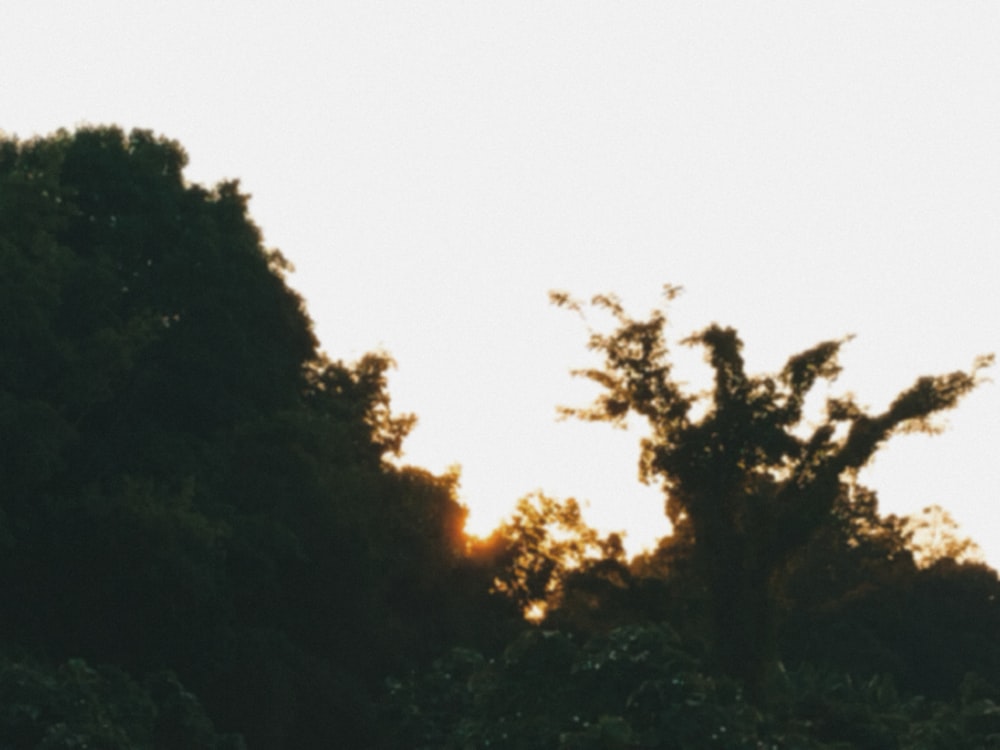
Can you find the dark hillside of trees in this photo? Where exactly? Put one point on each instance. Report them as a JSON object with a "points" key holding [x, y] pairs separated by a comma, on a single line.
{"points": [[204, 542], [187, 483]]}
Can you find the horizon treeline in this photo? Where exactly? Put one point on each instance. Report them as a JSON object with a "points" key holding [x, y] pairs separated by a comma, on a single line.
{"points": [[206, 542]]}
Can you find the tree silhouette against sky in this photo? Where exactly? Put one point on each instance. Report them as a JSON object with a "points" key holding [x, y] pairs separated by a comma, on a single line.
{"points": [[746, 474]]}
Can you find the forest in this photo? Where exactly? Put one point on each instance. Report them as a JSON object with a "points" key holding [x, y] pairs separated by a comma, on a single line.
{"points": [[209, 540]]}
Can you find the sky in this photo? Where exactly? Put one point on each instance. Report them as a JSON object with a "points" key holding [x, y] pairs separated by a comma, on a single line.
{"points": [[804, 170]]}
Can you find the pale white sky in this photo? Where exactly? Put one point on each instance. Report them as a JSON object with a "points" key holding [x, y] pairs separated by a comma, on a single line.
{"points": [[804, 170]]}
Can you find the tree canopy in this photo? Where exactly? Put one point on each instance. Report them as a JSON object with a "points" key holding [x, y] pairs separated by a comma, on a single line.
{"points": [[782, 611], [208, 538], [186, 481], [743, 471]]}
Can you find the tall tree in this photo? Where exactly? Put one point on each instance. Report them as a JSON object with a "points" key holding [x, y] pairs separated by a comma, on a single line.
{"points": [[185, 481], [744, 473]]}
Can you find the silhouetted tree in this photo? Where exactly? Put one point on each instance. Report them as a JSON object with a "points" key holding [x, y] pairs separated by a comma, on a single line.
{"points": [[741, 469], [186, 483], [542, 545]]}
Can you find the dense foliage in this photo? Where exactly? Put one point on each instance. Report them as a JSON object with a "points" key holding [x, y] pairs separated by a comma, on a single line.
{"points": [[186, 483], [76, 705], [747, 475], [784, 611], [877, 650], [637, 687], [207, 540]]}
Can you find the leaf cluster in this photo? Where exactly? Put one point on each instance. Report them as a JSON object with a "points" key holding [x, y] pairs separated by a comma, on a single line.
{"points": [[639, 687], [76, 705]]}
